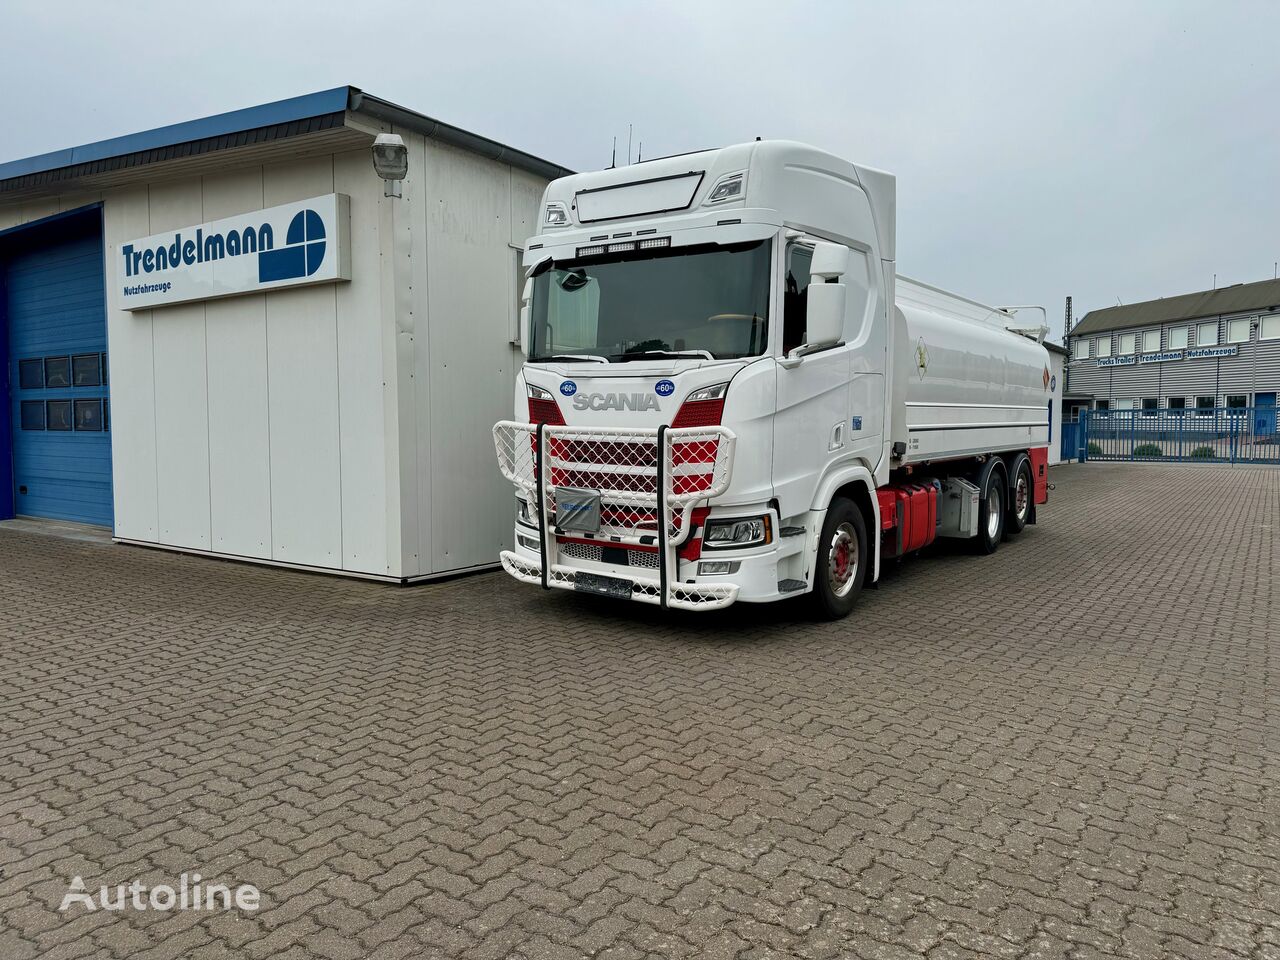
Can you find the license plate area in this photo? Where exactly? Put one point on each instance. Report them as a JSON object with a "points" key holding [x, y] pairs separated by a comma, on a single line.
{"points": [[603, 586], [578, 510]]}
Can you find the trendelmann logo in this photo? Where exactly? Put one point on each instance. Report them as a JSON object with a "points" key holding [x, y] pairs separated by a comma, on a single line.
{"points": [[301, 255]]}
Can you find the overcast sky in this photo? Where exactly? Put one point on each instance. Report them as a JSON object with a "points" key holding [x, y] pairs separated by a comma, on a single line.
{"points": [[1104, 150]]}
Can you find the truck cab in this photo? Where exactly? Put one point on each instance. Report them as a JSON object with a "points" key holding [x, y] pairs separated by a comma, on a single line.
{"points": [[705, 411]]}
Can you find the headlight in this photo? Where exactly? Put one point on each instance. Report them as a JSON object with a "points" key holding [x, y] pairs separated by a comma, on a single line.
{"points": [[538, 393], [737, 532], [727, 188], [714, 392], [556, 215]]}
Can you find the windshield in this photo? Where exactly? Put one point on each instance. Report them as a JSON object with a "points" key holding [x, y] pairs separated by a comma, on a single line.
{"points": [[705, 301]]}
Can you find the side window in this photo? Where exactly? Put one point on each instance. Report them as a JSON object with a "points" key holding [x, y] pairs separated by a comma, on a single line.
{"points": [[795, 298], [573, 311]]}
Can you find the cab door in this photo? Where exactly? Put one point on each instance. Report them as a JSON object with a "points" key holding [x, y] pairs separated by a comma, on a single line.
{"points": [[811, 427]]}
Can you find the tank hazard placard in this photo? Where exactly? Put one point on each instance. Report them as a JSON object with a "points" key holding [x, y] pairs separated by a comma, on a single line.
{"points": [[290, 245]]}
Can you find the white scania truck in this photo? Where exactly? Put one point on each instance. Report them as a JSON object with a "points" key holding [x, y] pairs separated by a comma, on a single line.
{"points": [[730, 395]]}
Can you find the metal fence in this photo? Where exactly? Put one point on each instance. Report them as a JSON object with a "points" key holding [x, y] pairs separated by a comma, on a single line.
{"points": [[1220, 435]]}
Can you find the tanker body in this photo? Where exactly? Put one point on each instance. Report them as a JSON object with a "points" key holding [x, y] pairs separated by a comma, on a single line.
{"points": [[730, 395]]}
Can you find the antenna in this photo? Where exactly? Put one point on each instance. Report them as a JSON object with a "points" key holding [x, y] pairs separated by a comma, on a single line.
{"points": [[613, 157], [1215, 281], [628, 144], [640, 152]]}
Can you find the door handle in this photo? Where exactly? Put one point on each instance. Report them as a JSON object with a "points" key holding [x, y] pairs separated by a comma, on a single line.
{"points": [[837, 436]]}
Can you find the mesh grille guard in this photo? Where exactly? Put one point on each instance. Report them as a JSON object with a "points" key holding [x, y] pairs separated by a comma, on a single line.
{"points": [[649, 482], [623, 465]]}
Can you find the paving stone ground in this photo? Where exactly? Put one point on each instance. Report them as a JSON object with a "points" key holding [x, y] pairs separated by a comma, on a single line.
{"points": [[1067, 749]]}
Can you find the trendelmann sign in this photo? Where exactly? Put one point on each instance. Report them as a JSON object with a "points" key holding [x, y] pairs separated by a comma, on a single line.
{"points": [[1195, 353], [287, 246]]}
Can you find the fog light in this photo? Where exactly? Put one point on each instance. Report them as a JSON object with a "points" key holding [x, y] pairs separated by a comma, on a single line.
{"points": [[710, 568], [737, 532], [528, 543]]}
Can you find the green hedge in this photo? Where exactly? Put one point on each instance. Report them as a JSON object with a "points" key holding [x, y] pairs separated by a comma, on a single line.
{"points": [[1094, 449], [1202, 453]]}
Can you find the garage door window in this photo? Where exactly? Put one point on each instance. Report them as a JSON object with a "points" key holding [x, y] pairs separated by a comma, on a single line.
{"points": [[86, 370], [89, 415], [31, 374], [32, 414], [58, 415], [57, 371]]}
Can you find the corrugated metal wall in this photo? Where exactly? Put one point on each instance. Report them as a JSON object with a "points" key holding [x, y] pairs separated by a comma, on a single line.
{"points": [[1254, 369]]}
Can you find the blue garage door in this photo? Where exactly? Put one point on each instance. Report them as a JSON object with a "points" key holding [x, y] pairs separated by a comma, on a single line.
{"points": [[60, 416]]}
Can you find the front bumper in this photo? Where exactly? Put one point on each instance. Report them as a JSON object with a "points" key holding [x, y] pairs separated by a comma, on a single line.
{"points": [[684, 596]]}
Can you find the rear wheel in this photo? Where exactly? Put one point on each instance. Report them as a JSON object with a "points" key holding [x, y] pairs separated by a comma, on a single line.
{"points": [[1020, 493], [991, 512], [842, 561]]}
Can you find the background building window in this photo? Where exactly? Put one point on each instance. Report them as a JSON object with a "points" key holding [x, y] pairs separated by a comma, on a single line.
{"points": [[1102, 405], [1207, 335], [1151, 341], [1122, 405], [1150, 405], [1080, 350], [1178, 338], [1104, 347], [1206, 403], [1128, 343], [1270, 327], [1238, 330], [1176, 404], [1237, 401]]}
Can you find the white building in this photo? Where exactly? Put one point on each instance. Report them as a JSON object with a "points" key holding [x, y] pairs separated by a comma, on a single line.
{"points": [[221, 337]]}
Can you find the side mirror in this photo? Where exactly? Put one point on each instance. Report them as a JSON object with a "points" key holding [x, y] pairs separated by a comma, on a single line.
{"points": [[824, 318], [830, 261], [522, 334]]}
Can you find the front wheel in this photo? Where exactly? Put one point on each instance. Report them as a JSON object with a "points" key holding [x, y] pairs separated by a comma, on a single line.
{"points": [[842, 561]]}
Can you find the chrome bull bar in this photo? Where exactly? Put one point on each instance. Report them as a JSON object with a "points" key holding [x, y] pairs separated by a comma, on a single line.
{"points": [[648, 481]]}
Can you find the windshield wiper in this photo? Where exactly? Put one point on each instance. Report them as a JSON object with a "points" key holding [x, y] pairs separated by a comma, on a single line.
{"points": [[594, 357], [701, 354]]}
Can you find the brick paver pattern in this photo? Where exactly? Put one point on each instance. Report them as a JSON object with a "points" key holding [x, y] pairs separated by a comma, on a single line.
{"points": [[1066, 749]]}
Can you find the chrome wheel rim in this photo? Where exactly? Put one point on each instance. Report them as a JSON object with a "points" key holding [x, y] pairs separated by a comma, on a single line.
{"points": [[1021, 495], [995, 507], [842, 560]]}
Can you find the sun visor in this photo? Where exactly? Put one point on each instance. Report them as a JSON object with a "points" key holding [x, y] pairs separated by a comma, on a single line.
{"points": [[641, 197]]}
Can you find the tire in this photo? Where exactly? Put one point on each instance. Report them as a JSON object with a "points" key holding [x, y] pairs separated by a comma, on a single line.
{"points": [[992, 512], [841, 567], [1021, 495]]}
